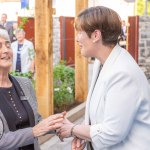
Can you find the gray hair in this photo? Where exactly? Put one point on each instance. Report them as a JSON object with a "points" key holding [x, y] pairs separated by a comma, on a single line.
{"points": [[19, 31], [4, 34], [5, 14]]}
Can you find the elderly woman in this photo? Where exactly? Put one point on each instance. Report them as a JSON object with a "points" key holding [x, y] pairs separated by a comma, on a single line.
{"points": [[19, 127], [117, 113]]}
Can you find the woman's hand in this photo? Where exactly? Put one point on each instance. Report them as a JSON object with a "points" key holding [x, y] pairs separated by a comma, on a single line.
{"points": [[51, 123], [78, 144], [65, 130]]}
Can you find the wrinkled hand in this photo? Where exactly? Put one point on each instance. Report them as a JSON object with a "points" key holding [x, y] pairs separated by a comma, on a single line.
{"points": [[53, 122], [78, 144], [65, 130]]}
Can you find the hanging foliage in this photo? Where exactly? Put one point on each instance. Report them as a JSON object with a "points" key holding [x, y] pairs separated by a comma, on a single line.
{"points": [[23, 22]]}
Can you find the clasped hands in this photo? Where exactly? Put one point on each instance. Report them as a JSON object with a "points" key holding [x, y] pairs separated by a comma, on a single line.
{"points": [[66, 131], [62, 126], [49, 124]]}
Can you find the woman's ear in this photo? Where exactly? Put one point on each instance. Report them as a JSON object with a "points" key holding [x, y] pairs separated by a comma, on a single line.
{"points": [[96, 36]]}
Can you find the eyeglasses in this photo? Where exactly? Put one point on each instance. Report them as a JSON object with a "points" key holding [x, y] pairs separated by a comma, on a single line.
{"points": [[6, 43]]}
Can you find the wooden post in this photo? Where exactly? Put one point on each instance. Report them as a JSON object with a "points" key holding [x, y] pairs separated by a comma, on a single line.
{"points": [[133, 36], [81, 65], [44, 56]]}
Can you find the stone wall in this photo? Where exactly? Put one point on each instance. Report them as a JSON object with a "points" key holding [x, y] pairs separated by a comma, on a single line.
{"points": [[56, 40], [144, 44]]}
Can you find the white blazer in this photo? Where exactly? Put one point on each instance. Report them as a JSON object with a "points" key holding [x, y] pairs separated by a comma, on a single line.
{"points": [[118, 104], [27, 55]]}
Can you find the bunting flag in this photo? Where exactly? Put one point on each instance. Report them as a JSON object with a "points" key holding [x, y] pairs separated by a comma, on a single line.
{"points": [[24, 4]]}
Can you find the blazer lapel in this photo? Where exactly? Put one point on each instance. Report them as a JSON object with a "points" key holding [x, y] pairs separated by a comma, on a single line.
{"points": [[107, 68], [96, 69], [98, 90], [25, 44], [110, 61], [25, 100]]}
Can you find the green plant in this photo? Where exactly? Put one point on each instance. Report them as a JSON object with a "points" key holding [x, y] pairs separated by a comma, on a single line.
{"points": [[64, 87], [27, 75], [23, 22]]}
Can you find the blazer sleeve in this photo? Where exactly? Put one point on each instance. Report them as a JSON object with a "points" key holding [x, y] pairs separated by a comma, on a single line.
{"points": [[19, 138], [121, 104]]}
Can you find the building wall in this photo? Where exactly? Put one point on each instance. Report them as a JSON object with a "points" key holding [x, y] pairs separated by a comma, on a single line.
{"points": [[123, 8], [11, 9], [56, 40], [144, 44], [64, 7]]}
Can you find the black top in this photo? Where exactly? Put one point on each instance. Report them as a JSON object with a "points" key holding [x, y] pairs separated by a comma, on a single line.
{"points": [[20, 115], [13, 101]]}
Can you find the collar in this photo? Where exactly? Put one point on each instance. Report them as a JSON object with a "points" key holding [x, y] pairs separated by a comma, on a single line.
{"points": [[18, 88]]}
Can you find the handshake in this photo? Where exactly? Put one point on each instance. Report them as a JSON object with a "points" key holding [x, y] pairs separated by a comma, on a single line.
{"points": [[62, 127]]}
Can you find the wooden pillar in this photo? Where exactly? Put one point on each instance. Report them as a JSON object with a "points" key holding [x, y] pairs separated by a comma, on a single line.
{"points": [[44, 56], [81, 65], [133, 36]]}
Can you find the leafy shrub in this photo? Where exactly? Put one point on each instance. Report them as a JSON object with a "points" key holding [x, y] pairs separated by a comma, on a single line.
{"points": [[22, 23], [27, 75], [64, 87]]}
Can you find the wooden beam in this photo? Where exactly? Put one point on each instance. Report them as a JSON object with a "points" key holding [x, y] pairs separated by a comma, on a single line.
{"points": [[81, 65], [44, 56]]}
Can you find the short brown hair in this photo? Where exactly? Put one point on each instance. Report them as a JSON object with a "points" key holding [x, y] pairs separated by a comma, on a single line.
{"points": [[100, 18]]}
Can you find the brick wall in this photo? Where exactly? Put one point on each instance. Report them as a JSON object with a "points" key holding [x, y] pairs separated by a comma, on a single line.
{"points": [[144, 44], [56, 40]]}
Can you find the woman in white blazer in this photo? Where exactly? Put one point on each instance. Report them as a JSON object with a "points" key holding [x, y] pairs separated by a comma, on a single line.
{"points": [[117, 113], [25, 48]]}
